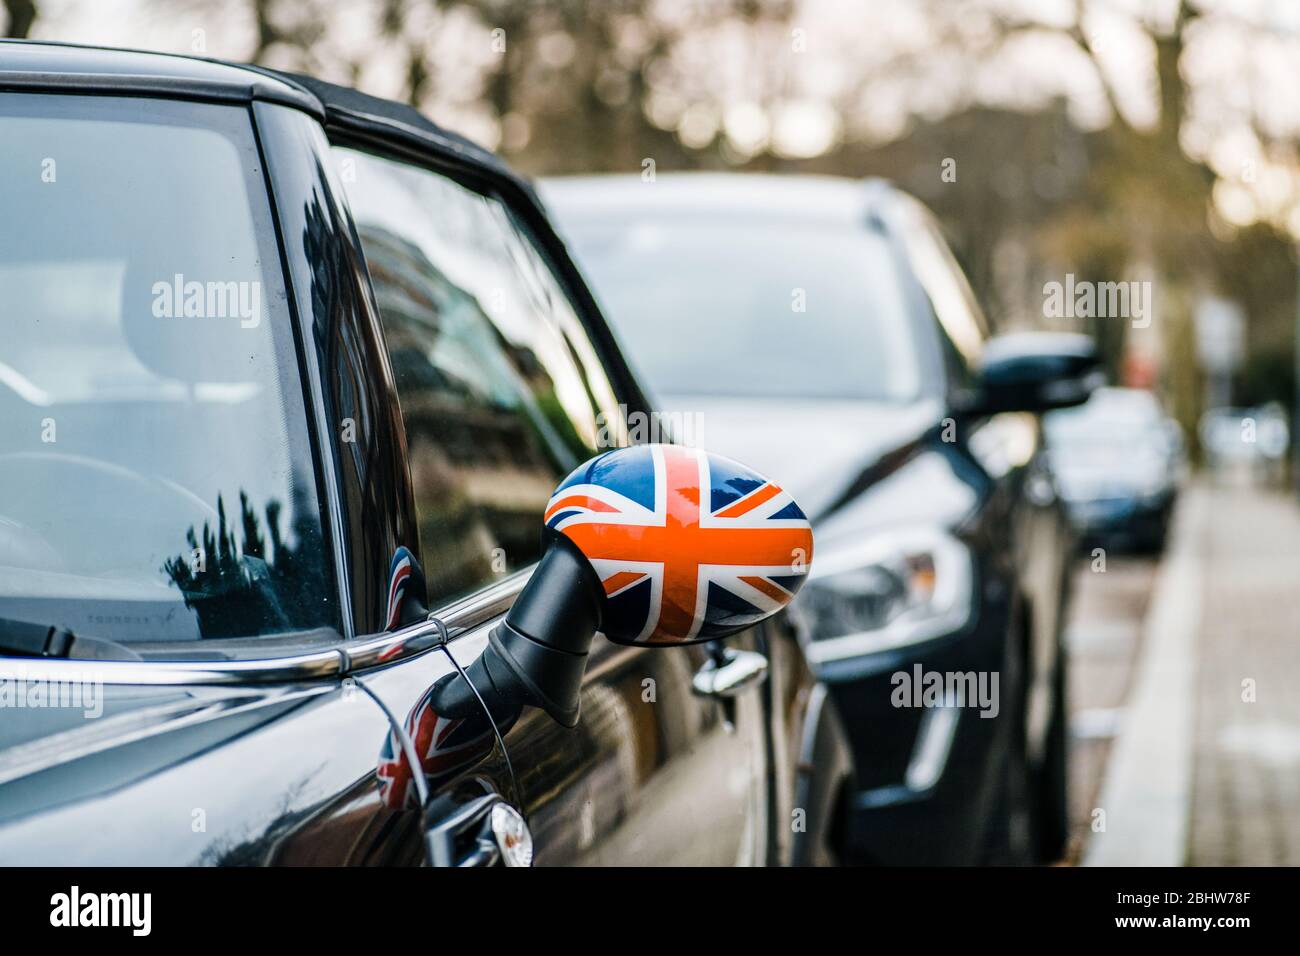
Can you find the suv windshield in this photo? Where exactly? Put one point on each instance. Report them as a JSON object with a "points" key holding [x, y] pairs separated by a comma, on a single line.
{"points": [[712, 305], [156, 484]]}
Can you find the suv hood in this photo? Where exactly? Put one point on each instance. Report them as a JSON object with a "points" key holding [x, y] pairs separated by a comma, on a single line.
{"points": [[816, 449]]}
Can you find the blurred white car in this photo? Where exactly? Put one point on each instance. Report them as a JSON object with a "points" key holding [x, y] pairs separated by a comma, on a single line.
{"points": [[1118, 460], [1245, 434]]}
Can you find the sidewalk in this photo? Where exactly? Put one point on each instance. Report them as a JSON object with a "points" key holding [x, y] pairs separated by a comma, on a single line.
{"points": [[1246, 753]]}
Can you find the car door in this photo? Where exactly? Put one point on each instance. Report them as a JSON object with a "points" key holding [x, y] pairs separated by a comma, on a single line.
{"points": [[200, 537], [502, 394]]}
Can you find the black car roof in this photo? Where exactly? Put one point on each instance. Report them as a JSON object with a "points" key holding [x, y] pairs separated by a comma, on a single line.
{"points": [[41, 65], [341, 102]]}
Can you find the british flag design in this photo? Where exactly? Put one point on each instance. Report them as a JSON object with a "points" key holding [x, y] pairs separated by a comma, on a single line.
{"points": [[689, 546], [444, 745]]}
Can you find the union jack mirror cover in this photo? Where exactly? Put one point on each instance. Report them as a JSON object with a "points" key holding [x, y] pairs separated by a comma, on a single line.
{"points": [[689, 546]]}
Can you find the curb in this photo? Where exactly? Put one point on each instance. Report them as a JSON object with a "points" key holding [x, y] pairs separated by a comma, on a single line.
{"points": [[1147, 790]]}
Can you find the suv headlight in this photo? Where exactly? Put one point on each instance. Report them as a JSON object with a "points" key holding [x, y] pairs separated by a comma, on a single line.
{"points": [[901, 587]]}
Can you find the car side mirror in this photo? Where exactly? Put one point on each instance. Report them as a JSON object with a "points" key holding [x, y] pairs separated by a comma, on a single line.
{"points": [[655, 546], [1033, 372]]}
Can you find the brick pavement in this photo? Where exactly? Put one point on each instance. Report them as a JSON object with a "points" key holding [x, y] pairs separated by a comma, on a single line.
{"points": [[1246, 754]]}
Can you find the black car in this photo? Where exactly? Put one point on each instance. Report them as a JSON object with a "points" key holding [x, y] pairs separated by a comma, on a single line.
{"points": [[821, 328], [289, 378]]}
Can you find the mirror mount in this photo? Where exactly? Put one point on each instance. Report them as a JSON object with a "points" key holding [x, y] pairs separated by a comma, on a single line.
{"points": [[539, 652], [536, 656], [561, 606]]}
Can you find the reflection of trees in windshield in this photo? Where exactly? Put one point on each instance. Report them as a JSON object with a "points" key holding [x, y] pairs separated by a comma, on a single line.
{"points": [[260, 586]]}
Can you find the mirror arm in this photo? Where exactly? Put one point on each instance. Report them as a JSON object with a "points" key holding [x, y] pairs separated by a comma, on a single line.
{"points": [[560, 607], [533, 673], [538, 654]]}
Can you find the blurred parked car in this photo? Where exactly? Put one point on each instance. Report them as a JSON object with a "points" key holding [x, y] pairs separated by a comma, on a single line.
{"points": [[1118, 462], [820, 327], [1249, 440], [283, 346]]}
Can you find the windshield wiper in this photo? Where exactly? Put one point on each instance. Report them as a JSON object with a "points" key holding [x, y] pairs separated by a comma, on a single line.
{"points": [[36, 640], [50, 640]]}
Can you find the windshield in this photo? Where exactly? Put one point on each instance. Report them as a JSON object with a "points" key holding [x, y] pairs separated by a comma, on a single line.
{"points": [[155, 481], [763, 307]]}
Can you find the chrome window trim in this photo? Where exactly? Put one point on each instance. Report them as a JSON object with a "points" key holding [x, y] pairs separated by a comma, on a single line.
{"points": [[458, 617], [328, 663]]}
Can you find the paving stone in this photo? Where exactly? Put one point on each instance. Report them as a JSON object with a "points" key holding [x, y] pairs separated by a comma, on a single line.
{"points": [[1246, 781]]}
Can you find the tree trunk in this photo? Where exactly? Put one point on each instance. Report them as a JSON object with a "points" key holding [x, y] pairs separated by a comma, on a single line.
{"points": [[22, 14]]}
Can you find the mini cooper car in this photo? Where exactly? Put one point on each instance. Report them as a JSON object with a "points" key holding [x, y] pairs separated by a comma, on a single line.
{"points": [[316, 490], [821, 328]]}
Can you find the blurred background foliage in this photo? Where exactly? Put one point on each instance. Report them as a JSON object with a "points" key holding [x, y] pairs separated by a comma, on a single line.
{"points": [[1109, 139]]}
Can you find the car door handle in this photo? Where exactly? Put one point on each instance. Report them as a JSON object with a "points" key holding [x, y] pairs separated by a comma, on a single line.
{"points": [[484, 831], [732, 675]]}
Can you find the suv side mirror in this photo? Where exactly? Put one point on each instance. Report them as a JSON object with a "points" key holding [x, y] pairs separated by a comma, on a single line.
{"points": [[1034, 372], [654, 545]]}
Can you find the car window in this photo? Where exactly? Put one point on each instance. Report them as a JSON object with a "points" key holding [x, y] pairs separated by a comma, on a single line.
{"points": [[156, 484], [501, 392], [963, 326]]}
